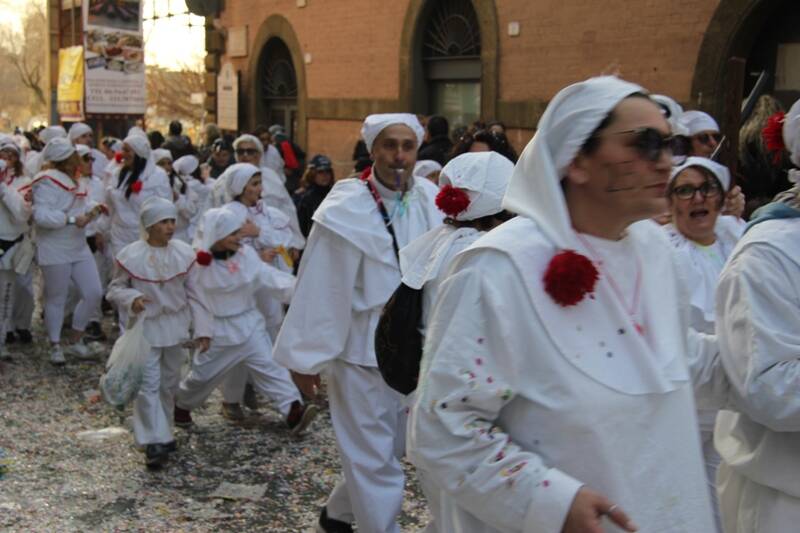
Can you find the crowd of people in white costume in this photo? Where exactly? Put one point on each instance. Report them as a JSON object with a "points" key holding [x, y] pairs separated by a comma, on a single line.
{"points": [[607, 343]]}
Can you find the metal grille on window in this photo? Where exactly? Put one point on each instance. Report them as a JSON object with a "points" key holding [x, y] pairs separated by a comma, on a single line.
{"points": [[452, 31]]}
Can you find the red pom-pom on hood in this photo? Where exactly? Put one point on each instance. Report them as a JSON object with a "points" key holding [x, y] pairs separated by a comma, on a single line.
{"points": [[136, 187], [204, 258], [569, 277], [452, 201], [773, 136], [118, 157]]}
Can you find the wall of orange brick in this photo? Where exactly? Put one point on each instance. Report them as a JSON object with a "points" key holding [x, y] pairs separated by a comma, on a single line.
{"points": [[336, 139]]}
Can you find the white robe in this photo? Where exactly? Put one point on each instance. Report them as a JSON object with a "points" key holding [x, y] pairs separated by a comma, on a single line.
{"points": [[759, 438], [521, 401]]}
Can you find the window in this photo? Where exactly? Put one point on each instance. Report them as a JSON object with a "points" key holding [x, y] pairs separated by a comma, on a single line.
{"points": [[278, 85]]}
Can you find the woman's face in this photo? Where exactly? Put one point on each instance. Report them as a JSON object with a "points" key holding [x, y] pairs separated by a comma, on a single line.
{"points": [[127, 155], [71, 166], [247, 152], [231, 243], [161, 232], [695, 212], [166, 164], [86, 165], [252, 191], [323, 178], [9, 156]]}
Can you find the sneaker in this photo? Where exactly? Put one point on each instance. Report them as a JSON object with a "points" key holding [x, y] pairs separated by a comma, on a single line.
{"points": [[24, 336], [250, 399], [11, 338], [232, 411], [300, 416], [83, 350], [94, 331], [57, 355], [182, 417], [330, 525], [156, 456]]}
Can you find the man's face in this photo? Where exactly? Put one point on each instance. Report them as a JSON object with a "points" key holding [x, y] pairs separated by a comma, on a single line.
{"points": [[617, 177], [705, 142], [86, 138], [395, 149], [247, 152]]}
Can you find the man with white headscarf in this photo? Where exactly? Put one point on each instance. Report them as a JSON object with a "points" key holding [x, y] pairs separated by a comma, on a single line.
{"points": [[757, 309], [155, 281], [230, 275], [349, 270], [703, 131], [555, 393], [138, 179]]}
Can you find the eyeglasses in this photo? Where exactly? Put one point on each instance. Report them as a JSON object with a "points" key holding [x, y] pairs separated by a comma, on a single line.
{"points": [[708, 189], [705, 138], [88, 158], [246, 151], [649, 142]]}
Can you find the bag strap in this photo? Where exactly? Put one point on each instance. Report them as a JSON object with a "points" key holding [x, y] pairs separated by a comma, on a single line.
{"points": [[382, 208]]}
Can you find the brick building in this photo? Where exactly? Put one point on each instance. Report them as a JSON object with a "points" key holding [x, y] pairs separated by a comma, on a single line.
{"points": [[319, 66]]}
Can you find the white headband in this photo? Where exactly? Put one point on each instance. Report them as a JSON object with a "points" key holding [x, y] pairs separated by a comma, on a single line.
{"points": [[375, 124]]}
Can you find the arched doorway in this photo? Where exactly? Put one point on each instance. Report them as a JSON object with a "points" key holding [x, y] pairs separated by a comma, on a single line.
{"points": [[448, 59], [278, 86]]}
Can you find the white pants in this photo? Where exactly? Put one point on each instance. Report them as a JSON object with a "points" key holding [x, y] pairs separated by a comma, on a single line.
{"points": [[152, 410], [7, 280], [23, 301], [255, 354], [711, 459], [747, 507], [369, 420], [56, 287]]}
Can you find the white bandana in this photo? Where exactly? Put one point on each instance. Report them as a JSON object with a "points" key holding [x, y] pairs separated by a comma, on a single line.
{"points": [[218, 223], [82, 149], [57, 149], [186, 165], [425, 167], [159, 154], [52, 132], [720, 171], [140, 145], [484, 176], [698, 121], [375, 124], [236, 178], [78, 129], [675, 113], [155, 209]]}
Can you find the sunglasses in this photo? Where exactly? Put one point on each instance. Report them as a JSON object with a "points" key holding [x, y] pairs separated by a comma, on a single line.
{"points": [[705, 138], [707, 190], [246, 151], [650, 143], [88, 158]]}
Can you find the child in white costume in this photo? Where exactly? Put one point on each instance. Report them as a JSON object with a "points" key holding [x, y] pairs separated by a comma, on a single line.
{"points": [[230, 275], [156, 276], [184, 198], [60, 213]]}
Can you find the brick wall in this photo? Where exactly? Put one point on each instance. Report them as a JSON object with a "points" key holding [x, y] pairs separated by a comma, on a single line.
{"points": [[336, 139]]}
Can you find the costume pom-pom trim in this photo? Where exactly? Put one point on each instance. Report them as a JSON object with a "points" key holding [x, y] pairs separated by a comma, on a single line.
{"points": [[203, 258], [569, 277], [136, 187], [452, 201], [773, 136]]}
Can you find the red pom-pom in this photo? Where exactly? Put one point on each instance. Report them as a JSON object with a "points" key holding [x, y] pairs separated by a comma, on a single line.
{"points": [[136, 187], [452, 201], [773, 136], [118, 157], [203, 258], [569, 277]]}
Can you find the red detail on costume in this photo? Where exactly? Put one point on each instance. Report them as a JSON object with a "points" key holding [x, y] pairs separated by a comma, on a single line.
{"points": [[452, 201], [289, 159], [136, 187], [204, 258], [773, 136], [366, 174], [569, 277], [118, 157]]}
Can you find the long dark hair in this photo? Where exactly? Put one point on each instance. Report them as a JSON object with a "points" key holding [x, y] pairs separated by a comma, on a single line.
{"points": [[129, 176], [172, 177]]}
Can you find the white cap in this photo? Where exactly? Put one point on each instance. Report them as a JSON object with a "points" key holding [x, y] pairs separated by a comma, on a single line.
{"points": [[78, 129], [58, 149], [160, 154], [483, 176], [375, 124], [698, 121], [720, 171]]}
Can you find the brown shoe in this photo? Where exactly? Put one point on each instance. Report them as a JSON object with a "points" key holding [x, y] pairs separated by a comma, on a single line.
{"points": [[182, 417], [232, 411], [300, 416]]}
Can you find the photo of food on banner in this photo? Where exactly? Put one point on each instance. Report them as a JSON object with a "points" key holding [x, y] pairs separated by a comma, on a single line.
{"points": [[115, 51]]}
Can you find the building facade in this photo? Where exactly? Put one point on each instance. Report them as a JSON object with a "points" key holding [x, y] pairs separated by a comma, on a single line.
{"points": [[320, 66]]}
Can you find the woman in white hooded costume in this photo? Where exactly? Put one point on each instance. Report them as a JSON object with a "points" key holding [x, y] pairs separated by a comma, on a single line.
{"points": [[135, 181], [556, 391], [155, 281], [757, 309], [231, 275], [61, 211], [186, 201]]}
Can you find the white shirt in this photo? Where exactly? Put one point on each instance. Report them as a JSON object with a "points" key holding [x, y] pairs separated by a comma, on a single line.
{"points": [[15, 213], [758, 304]]}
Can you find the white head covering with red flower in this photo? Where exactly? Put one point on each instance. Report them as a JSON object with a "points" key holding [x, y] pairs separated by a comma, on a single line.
{"points": [[216, 224]]}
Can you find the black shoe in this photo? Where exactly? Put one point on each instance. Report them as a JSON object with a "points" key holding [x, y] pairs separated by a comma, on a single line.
{"points": [[156, 455], [24, 336], [94, 332], [182, 417], [171, 446], [329, 525], [250, 399], [11, 338]]}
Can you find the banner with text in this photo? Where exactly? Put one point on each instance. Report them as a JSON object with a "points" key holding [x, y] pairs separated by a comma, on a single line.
{"points": [[69, 93], [115, 72]]}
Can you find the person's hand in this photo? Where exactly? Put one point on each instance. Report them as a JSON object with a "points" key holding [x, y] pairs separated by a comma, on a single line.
{"points": [[100, 242], [250, 230], [82, 220], [295, 254], [138, 305], [307, 384], [202, 344], [268, 255], [734, 202], [587, 512], [205, 172]]}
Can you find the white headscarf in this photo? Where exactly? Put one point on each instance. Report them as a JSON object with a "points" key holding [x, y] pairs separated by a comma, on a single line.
{"points": [[136, 130], [82, 149], [534, 190], [791, 132], [720, 171], [140, 145], [425, 167], [248, 138], [698, 121], [675, 114], [155, 209], [484, 176], [218, 223], [78, 129], [52, 132], [159, 154], [186, 165], [236, 178], [57, 149], [7, 143], [375, 124]]}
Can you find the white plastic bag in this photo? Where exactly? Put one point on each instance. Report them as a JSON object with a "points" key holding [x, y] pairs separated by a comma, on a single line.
{"points": [[125, 368]]}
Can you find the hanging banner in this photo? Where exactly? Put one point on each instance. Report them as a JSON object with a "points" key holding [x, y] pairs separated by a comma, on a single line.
{"points": [[228, 98], [69, 93], [115, 72]]}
